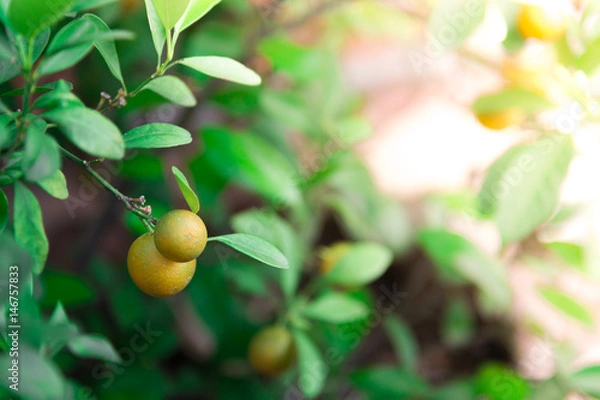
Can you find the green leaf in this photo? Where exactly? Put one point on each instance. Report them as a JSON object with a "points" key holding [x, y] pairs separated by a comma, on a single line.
{"points": [[254, 247], [106, 47], [405, 344], [572, 253], [458, 326], [498, 382], [68, 46], [312, 368], [587, 380], [360, 265], [268, 225], [157, 135], [39, 378], [60, 97], [254, 163], [30, 17], [169, 11], [336, 308], [389, 383], [70, 290], [41, 157], [82, 5], [172, 89], [156, 29], [588, 61], [89, 130], [29, 226], [55, 185], [568, 306], [453, 21], [223, 68], [521, 188], [190, 196], [512, 97], [195, 10], [459, 261], [93, 346], [3, 211]]}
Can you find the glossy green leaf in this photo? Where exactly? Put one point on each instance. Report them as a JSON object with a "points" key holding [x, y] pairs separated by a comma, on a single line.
{"points": [[588, 380], [93, 346], [312, 368], [157, 135], [360, 265], [55, 185], [512, 97], [172, 89], [60, 97], [83, 5], [568, 306], [390, 383], [404, 341], [498, 382], [223, 68], [3, 211], [195, 10], [169, 11], [521, 188], [30, 17], [156, 28], [335, 308], [106, 46], [29, 226], [254, 247], [459, 261], [89, 130], [188, 193], [68, 46], [41, 157], [64, 59]]}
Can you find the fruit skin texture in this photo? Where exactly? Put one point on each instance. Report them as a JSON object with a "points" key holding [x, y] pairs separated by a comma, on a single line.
{"points": [[180, 235], [272, 351], [498, 120], [154, 274], [332, 255], [541, 23]]}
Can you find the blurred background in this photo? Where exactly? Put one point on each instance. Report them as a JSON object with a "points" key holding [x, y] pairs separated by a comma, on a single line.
{"points": [[392, 122]]}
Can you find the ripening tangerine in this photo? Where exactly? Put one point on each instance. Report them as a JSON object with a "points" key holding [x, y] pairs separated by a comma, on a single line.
{"points": [[272, 350], [180, 235], [543, 23], [154, 274], [330, 256], [501, 119]]}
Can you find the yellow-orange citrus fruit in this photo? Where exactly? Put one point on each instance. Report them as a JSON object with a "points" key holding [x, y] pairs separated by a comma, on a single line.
{"points": [[543, 23], [129, 6], [498, 120], [528, 75], [154, 274], [331, 255], [272, 350], [180, 235]]}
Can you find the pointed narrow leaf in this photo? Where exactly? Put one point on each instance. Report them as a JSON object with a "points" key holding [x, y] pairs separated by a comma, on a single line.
{"points": [[106, 47], [568, 306], [93, 346], [156, 28], [223, 68], [312, 368], [83, 5], [173, 89], [154, 136], [404, 342], [89, 130], [55, 185], [30, 17], [254, 247], [336, 308], [195, 10], [41, 157], [188, 193], [169, 11], [3, 211], [29, 226]]}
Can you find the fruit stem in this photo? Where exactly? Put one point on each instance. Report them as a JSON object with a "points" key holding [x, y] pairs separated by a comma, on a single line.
{"points": [[132, 204]]}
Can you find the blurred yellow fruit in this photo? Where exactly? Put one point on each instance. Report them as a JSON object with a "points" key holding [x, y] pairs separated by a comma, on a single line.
{"points": [[498, 120], [528, 75], [129, 6], [331, 255], [543, 23], [154, 274], [272, 351]]}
